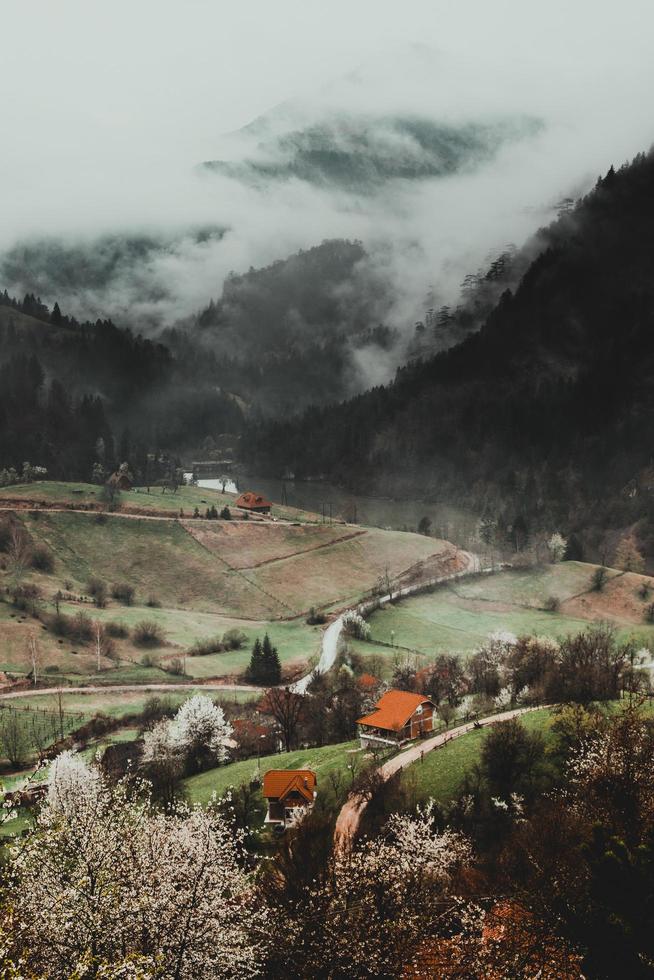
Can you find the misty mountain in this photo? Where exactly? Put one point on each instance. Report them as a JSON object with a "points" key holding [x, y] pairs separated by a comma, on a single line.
{"points": [[361, 152], [549, 405], [126, 273], [304, 330]]}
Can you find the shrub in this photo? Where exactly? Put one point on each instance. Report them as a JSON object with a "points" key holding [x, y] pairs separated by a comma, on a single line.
{"points": [[234, 639], [644, 590], [97, 589], [147, 633], [226, 513], [649, 613], [552, 603], [51, 669], [175, 666], [315, 618], [61, 624], [41, 559], [203, 647], [116, 629], [123, 592], [153, 602], [82, 628], [26, 597], [147, 660], [598, 579]]}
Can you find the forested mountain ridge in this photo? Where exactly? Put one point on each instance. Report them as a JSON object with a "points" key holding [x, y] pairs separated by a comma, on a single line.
{"points": [[360, 152], [549, 406], [65, 385], [290, 329]]}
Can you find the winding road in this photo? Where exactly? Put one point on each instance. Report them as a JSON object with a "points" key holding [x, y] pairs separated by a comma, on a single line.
{"points": [[349, 818], [331, 636]]}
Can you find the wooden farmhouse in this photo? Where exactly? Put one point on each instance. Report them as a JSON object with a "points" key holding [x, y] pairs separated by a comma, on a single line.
{"points": [[398, 717], [254, 502], [288, 793]]}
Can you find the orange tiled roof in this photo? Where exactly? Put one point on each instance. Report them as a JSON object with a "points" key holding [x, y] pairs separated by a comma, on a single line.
{"points": [[279, 783], [250, 499], [394, 710]]}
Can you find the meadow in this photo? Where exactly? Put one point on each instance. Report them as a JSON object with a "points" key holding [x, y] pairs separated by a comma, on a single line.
{"points": [[458, 616], [328, 758]]}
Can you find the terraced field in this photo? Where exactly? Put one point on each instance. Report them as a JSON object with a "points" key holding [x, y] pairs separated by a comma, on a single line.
{"points": [[196, 580]]}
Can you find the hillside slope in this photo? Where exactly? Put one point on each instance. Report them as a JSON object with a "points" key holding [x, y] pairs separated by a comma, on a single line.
{"points": [[549, 405]]}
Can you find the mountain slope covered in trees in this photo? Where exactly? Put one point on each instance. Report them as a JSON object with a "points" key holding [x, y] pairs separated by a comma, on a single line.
{"points": [[359, 152], [548, 408]]}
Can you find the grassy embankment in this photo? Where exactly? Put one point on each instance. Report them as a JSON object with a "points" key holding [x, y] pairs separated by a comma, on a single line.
{"points": [[203, 579], [456, 618], [200, 789]]}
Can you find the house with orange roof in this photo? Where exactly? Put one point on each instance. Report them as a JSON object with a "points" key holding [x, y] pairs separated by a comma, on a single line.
{"points": [[288, 792], [399, 716], [254, 502]]}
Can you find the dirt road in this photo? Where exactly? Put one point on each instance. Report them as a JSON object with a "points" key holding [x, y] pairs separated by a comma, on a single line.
{"points": [[29, 692], [348, 820], [330, 637]]}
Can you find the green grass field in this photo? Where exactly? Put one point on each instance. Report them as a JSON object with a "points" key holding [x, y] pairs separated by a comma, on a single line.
{"points": [[200, 789], [117, 704], [186, 499], [457, 618], [441, 772]]}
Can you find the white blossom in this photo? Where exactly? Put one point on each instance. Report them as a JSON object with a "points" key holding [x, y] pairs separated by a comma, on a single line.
{"points": [[201, 724], [110, 877], [355, 625], [504, 699], [71, 778], [557, 546]]}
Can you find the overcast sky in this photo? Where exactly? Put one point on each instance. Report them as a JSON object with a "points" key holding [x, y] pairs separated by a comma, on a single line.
{"points": [[107, 106], [86, 81]]}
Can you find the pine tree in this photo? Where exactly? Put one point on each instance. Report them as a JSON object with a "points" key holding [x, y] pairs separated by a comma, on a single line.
{"points": [[256, 667], [272, 668]]}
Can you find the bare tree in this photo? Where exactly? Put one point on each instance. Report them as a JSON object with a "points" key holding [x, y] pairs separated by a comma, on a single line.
{"points": [[34, 657], [286, 708], [18, 552], [12, 734]]}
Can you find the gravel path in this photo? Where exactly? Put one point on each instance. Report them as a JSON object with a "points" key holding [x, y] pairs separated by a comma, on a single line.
{"points": [[348, 820]]}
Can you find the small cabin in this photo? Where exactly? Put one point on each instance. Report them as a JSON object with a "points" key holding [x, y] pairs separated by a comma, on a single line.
{"points": [[288, 793], [254, 502], [399, 716]]}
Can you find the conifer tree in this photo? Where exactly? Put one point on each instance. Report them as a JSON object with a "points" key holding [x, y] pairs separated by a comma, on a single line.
{"points": [[272, 668], [256, 667]]}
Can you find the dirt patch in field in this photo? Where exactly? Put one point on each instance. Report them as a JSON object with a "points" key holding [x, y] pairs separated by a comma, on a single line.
{"points": [[446, 561], [619, 601], [246, 545]]}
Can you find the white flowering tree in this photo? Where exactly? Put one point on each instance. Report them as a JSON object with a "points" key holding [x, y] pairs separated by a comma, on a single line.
{"points": [[162, 760], [355, 625], [70, 778], [201, 732], [107, 879], [557, 546], [384, 898]]}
